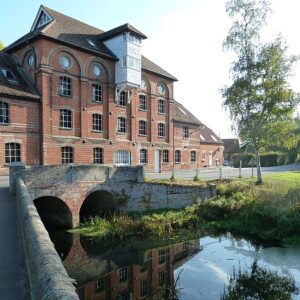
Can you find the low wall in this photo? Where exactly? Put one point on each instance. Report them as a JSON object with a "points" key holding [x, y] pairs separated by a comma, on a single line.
{"points": [[48, 277]]}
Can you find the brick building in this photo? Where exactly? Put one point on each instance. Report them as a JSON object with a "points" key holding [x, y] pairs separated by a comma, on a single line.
{"points": [[71, 93]]}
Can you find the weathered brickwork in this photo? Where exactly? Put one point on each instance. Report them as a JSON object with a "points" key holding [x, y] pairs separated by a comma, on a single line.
{"points": [[73, 185]]}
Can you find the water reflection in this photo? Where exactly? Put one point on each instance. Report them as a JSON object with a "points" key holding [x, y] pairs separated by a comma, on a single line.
{"points": [[171, 270]]}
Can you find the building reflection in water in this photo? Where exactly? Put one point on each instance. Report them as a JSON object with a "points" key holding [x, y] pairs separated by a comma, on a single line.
{"points": [[139, 270]]}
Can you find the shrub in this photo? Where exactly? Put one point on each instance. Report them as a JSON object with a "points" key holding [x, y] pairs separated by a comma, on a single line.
{"points": [[244, 157], [270, 159]]}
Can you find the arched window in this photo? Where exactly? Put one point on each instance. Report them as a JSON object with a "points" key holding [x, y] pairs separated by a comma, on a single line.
{"points": [[122, 158], [4, 113]]}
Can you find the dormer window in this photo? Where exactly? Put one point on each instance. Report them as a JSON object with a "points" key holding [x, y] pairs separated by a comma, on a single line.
{"points": [[202, 137], [44, 19], [8, 74]]}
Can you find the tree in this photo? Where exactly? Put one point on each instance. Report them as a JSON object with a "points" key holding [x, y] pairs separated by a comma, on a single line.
{"points": [[260, 101], [2, 46]]}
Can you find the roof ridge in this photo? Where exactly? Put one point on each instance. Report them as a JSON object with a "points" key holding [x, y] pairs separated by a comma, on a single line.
{"points": [[49, 10]]}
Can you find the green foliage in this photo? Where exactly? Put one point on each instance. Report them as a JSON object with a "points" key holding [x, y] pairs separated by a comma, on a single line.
{"points": [[260, 283], [269, 212], [244, 157], [2, 46], [260, 101]]}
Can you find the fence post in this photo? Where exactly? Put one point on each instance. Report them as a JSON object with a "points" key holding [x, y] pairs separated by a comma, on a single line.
{"points": [[220, 172], [240, 170]]}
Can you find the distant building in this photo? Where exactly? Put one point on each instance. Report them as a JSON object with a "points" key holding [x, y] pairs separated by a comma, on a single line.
{"points": [[231, 147], [71, 93]]}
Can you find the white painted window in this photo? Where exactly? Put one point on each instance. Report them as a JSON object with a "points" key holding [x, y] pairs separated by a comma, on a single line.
{"points": [[12, 152], [122, 158], [165, 157], [98, 155], [97, 122], [177, 156], [122, 99], [123, 274], [142, 127], [65, 118], [142, 102], [193, 156], [99, 285], [161, 106], [161, 130], [97, 92], [67, 156], [65, 86], [122, 125], [4, 112], [143, 156], [185, 132]]}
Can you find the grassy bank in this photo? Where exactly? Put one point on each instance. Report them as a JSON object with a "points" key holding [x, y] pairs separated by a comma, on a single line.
{"points": [[157, 223], [269, 212]]}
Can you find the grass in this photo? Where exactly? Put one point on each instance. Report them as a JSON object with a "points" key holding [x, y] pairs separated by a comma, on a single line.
{"points": [[268, 212], [160, 223]]}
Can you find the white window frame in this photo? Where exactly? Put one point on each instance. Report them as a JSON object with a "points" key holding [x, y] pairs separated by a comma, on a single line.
{"points": [[122, 125], [161, 130], [12, 152], [143, 156], [65, 118], [165, 156], [4, 112], [67, 155], [143, 102], [185, 132], [97, 92], [98, 155], [177, 157], [97, 122], [143, 127], [161, 106], [122, 158], [193, 156], [65, 86]]}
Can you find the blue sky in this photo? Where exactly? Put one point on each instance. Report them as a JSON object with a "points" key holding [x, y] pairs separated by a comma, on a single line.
{"points": [[184, 37]]}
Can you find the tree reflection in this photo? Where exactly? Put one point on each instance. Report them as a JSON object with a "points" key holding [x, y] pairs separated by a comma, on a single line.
{"points": [[259, 283]]}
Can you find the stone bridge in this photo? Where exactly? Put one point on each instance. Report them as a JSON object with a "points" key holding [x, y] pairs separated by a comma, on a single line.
{"points": [[64, 195]]}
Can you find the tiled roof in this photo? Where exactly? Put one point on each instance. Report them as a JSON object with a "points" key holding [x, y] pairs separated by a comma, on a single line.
{"points": [[150, 66], [84, 36], [207, 136], [231, 145], [116, 31], [181, 114], [21, 86]]}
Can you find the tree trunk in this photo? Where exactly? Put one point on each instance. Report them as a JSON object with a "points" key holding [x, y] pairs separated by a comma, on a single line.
{"points": [[258, 167]]}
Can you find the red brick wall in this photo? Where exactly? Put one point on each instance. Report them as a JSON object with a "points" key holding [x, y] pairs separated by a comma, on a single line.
{"points": [[23, 128], [81, 136], [213, 148]]}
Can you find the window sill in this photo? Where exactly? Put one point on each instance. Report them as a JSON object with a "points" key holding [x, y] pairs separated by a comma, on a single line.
{"points": [[95, 101], [177, 162], [122, 133], [123, 106], [63, 128], [97, 131], [144, 110], [165, 163], [161, 137], [161, 113], [144, 135], [65, 96], [193, 162], [5, 124]]}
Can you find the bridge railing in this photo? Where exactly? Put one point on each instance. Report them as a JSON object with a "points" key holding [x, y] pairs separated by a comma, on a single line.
{"points": [[47, 275]]}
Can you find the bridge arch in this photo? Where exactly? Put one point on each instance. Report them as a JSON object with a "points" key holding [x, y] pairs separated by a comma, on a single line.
{"points": [[99, 202], [54, 212]]}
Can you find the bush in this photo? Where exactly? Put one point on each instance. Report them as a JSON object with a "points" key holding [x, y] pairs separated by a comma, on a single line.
{"points": [[270, 159], [244, 157]]}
